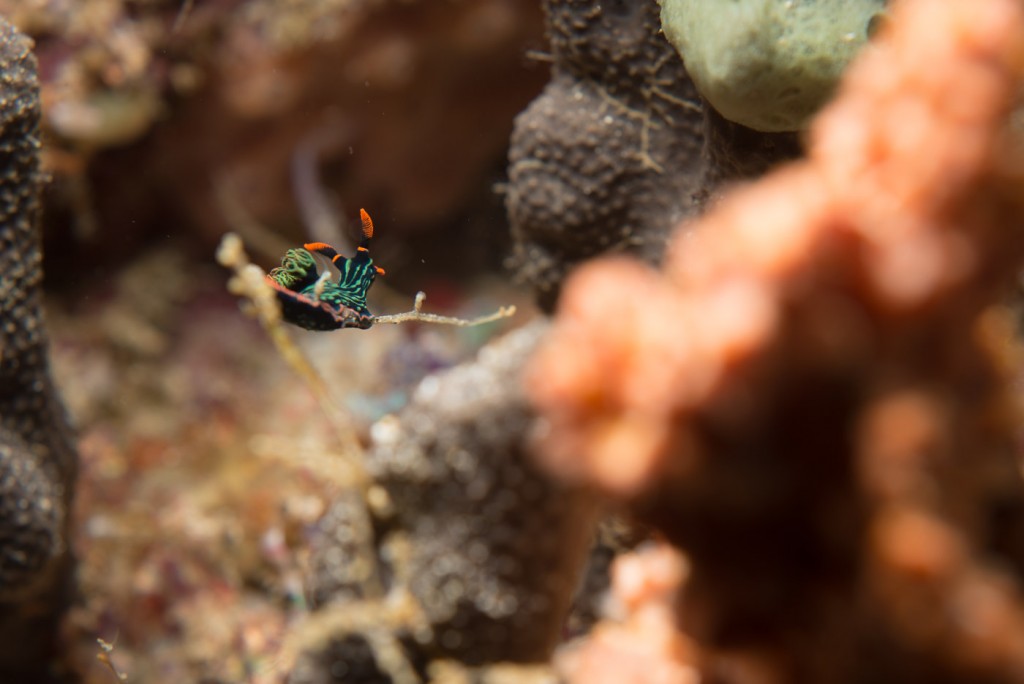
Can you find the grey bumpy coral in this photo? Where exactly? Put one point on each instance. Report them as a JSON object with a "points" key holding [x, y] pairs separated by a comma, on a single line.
{"points": [[37, 459], [608, 157], [620, 147], [495, 548]]}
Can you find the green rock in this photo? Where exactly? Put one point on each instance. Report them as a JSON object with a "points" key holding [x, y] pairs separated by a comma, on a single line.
{"points": [[768, 64]]}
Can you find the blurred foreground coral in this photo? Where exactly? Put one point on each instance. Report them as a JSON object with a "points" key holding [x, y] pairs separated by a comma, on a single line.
{"points": [[811, 399]]}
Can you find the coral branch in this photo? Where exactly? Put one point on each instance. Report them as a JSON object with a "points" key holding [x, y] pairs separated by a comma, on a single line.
{"points": [[249, 281], [417, 315]]}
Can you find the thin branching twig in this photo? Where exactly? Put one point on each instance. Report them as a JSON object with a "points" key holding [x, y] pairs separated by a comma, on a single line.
{"points": [[179, 21], [418, 315], [379, 615], [103, 656], [249, 282]]}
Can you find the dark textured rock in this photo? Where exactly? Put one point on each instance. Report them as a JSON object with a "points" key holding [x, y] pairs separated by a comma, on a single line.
{"points": [[349, 659], [734, 152], [496, 549], [613, 154], [608, 157], [37, 459]]}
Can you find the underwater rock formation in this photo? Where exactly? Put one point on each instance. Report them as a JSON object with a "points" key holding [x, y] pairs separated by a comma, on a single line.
{"points": [[807, 400], [37, 459], [608, 157], [619, 148], [494, 547]]}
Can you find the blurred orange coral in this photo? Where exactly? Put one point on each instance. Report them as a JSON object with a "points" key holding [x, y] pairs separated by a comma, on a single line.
{"points": [[808, 348], [905, 210], [645, 646]]}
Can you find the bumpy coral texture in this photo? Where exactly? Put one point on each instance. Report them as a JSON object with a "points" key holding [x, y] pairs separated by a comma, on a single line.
{"points": [[495, 548], [609, 158], [805, 399], [37, 460]]}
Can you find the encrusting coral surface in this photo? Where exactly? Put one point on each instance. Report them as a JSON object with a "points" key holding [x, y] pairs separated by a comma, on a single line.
{"points": [[810, 399], [608, 156], [37, 460]]}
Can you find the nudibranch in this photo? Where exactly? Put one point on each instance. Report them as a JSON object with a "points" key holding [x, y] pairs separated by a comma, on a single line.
{"points": [[311, 300]]}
